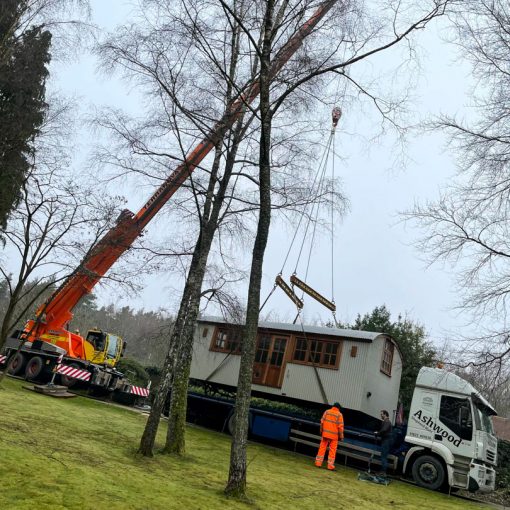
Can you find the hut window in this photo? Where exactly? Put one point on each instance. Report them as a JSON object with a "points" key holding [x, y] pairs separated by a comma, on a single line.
{"points": [[316, 352], [278, 351], [300, 351], [330, 354], [262, 349], [354, 351], [387, 358], [227, 340]]}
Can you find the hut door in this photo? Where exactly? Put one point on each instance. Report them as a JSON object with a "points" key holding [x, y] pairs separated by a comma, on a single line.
{"points": [[269, 360], [261, 358]]}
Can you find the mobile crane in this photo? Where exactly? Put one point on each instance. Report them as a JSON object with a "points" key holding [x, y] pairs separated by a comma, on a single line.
{"points": [[48, 344]]}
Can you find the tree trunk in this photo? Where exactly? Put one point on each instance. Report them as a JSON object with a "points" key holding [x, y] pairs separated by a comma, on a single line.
{"points": [[236, 485], [181, 342], [151, 427], [175, 440]]}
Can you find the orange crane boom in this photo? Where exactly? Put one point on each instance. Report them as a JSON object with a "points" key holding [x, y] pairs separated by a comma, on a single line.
{"points": [[56, 312]]}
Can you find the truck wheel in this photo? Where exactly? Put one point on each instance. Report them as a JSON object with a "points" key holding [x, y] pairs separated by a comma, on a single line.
{"points": [[69, 381], [428, 472], [16, 365], [34, 368]]}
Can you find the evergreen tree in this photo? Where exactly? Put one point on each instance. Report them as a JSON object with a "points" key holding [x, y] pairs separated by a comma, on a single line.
{"points": [[411, 339], [23, 72]]}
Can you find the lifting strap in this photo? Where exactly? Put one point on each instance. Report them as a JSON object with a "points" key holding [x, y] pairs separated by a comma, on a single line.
{"points": [[217, 369], [317, 375], [313, 293], [317, 186]]}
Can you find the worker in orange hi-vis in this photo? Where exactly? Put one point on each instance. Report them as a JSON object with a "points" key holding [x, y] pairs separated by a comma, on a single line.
{"points": [[332, 430]]}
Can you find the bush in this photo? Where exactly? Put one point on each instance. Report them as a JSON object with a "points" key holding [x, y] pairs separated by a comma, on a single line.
{"points": [[503, 469], [134, 371]]}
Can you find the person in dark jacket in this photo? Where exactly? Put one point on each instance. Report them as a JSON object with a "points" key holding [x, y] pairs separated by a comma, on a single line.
{"points": [[385, 433]]}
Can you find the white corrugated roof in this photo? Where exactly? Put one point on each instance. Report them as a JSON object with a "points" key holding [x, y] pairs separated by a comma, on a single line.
{"points": [[366, 336]]}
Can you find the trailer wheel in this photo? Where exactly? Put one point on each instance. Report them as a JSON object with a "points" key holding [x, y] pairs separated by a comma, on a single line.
{"points": [[428, 472], [34, 368], [69, 381], [16, 365], [231, 423]]}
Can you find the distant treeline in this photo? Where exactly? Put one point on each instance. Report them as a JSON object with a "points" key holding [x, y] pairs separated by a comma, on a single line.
{"points": [[146, 332]]}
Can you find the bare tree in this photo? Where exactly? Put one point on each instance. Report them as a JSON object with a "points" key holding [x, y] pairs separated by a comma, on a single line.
{"points": [[57, 220], [67, 20], [191, 101], [217, 201], [468, 226], [275, 16]]}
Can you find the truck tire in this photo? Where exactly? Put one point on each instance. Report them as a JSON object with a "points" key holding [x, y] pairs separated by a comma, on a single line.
{"points": [[69, 381], [429, 472], [34, 368], [16, 364]]}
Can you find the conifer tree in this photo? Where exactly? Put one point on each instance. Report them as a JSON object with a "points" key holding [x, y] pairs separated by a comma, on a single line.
{"points": [[24, 59]]}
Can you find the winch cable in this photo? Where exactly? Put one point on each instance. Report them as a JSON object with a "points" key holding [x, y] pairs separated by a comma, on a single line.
{"points": [[333, 233], [318, 176], [336, 114]]}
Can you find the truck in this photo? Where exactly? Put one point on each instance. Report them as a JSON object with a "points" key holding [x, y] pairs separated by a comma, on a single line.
{"points": [[46, 344], [447, 441]]}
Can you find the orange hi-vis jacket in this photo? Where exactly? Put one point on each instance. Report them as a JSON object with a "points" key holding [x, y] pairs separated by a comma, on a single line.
{"points": [[332, 424]]}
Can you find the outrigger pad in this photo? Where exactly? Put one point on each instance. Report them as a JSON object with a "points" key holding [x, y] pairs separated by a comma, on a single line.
{"points": [[51, 390], [371, 477]]}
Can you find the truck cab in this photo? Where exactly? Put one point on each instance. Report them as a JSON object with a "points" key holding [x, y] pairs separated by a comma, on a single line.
{"points": [[450, 434], [106, 348]]}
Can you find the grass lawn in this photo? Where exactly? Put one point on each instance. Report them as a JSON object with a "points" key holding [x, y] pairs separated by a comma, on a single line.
{"points": [[81, 454]]}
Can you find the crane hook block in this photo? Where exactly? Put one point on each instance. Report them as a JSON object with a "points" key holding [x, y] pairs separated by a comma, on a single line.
{"points": [[318, 297], [335, 115], [281, 283]]}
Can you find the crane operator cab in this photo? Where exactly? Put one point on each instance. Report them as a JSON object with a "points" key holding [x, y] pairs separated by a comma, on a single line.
{"points": [[108, 348]]}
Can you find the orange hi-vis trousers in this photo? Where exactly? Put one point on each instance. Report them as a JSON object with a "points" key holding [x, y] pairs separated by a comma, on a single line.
{"points": [[333, 444]]}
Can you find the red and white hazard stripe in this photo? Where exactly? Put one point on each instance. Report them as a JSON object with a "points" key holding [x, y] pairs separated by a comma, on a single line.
{"points": [[3, 359], [141, 392], [74, 373]]}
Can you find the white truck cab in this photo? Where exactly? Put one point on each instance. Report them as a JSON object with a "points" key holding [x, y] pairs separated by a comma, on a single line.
{"points": [[450, 434]]}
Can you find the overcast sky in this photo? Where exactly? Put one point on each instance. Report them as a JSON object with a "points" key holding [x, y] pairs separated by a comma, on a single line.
{"points": [[375, 261]]}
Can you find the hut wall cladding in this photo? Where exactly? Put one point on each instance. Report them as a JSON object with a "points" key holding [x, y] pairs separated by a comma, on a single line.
{"points": [[344, 385], [359, 373], [383, 388], [205, 361]]}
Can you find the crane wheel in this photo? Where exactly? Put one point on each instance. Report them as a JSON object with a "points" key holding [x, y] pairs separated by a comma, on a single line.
{"points": [[16, 364], [69, 381], [34, 368]]}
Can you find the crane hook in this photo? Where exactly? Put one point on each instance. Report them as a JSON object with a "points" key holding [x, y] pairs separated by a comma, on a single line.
{"points": [[335, 115]]}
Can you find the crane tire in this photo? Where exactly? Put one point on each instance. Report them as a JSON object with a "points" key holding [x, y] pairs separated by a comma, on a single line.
{"points": [[69, 381], [34, 368], [16, 364]]}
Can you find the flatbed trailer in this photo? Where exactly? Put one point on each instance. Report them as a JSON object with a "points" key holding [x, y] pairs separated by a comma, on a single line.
{"points": [[289, 431]]}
